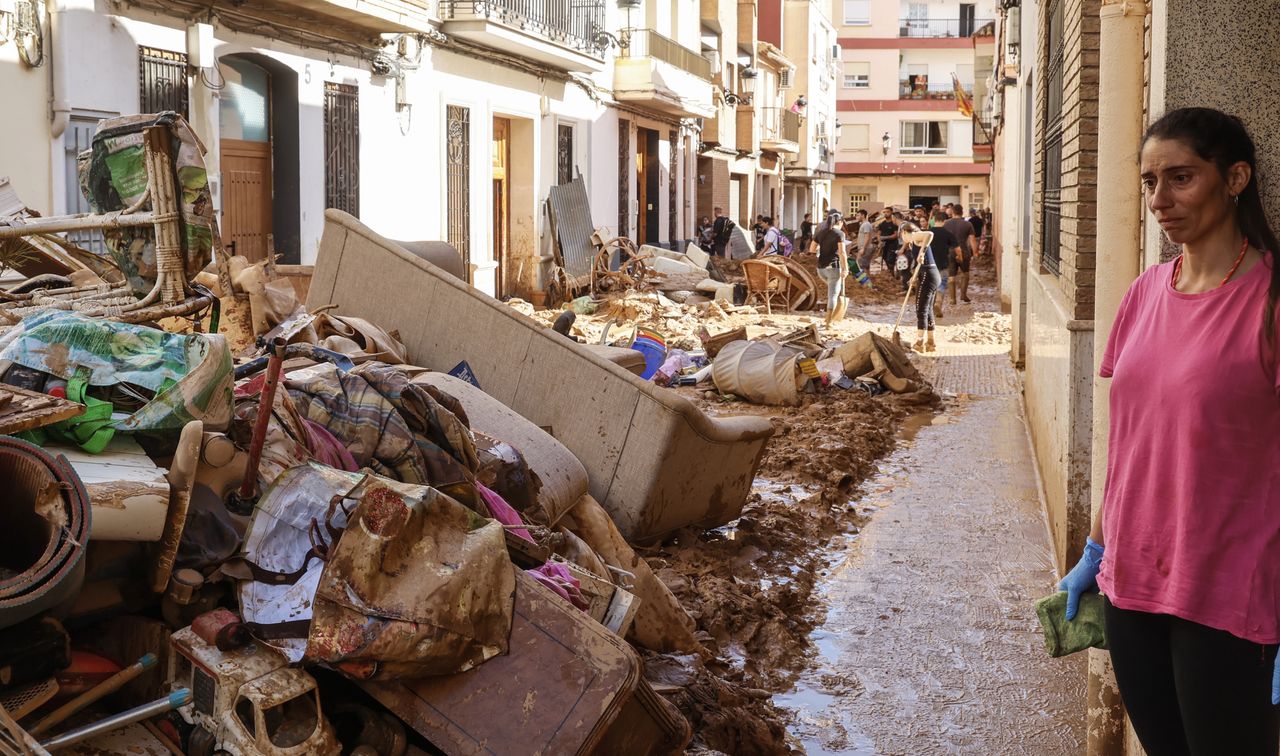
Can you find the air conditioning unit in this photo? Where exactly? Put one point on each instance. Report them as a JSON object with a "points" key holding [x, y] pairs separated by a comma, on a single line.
{"points": [[784, 80]]}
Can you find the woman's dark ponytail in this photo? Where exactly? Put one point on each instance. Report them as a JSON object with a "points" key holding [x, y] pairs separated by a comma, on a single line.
{"points": [[1223, 140]]}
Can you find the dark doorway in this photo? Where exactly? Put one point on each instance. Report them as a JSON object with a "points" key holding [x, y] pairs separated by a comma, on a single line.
{"points": [[648, 169], [967, 19]]}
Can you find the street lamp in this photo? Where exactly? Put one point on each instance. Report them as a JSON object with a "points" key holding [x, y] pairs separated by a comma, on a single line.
{"points": [[748, 76], [886, 143], [836, 130]]}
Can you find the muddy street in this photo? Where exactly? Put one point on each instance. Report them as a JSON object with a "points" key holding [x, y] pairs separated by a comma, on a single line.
{"points": [[930, 643], [876, 594]]}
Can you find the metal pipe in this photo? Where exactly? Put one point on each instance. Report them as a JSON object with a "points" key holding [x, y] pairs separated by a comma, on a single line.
{"points": [[180, 697], [107, 686], [266, 400]]}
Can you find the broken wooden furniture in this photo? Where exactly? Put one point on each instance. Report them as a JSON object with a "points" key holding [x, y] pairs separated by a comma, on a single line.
{"points": [[567, 686], [654, 460], [22, 409], [171, 296], [767, 283]]}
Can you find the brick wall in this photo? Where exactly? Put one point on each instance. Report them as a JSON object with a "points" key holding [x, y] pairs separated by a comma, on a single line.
{"points": [[1079, 149]]}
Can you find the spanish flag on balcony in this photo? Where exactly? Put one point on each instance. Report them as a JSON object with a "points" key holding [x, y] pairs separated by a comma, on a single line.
{"points": [[964, 101]]}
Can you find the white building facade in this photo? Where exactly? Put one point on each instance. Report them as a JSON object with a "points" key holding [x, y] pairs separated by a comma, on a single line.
{"points": [[427, 119]]}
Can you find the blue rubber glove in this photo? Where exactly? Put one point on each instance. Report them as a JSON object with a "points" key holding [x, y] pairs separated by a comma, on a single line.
{"points": [[1083, 577], [1275, 683]]}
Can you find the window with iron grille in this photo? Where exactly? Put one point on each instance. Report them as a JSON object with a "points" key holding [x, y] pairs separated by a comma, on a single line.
{"points": [[458, 178], [1051, 217], [162, 81], [564, 153], [342, 147], [672, 215], [77, 138], [858, 200]]}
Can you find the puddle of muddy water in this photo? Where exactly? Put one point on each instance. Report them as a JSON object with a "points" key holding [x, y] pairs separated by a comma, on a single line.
{"points": [[820, 727]]}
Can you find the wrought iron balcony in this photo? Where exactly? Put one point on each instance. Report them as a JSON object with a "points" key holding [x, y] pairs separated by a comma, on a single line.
{"points": [[944, 27], [529, 27], [647, 43], [920, 88]]}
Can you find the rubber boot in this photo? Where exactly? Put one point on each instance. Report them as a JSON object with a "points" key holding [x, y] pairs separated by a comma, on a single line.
{"points": [[919, 345], [929, 346], [953, 283], [937, 307], [964, 287]]}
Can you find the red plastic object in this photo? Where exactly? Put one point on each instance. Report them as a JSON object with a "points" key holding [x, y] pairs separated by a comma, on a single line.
{"points": [[85, 672]]}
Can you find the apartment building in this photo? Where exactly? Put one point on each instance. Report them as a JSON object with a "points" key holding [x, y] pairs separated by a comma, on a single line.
{"points": [[766, 150], [428, 119], [811, 36], [909, 71]]}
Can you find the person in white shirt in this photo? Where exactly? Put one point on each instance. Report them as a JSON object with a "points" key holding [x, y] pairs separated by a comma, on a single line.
{"points": [[772, 241]]}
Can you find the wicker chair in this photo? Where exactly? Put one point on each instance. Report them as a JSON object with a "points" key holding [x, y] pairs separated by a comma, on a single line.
{"points": [[172, 295], [767, 282]]}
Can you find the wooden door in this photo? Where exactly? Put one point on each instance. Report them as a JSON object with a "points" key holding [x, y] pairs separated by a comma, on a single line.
{"points": [[501, 199], [246, 197]]}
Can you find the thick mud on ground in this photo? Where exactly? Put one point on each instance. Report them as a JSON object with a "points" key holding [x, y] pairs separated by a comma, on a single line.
{"points": [[750, 585], [931, 644], [760, 588]]}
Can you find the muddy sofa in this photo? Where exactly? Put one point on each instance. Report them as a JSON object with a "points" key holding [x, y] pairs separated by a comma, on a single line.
{"points": [[655, 461]]}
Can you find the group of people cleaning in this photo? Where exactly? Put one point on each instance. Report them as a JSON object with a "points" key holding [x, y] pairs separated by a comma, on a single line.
{"points": [[848, 247]]}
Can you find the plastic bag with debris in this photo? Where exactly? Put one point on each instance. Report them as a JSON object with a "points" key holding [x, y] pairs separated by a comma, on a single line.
{"points": [[375, 578]]}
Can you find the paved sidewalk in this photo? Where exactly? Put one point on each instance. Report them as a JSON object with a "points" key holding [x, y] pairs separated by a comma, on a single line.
{"points": [[931, 643]]}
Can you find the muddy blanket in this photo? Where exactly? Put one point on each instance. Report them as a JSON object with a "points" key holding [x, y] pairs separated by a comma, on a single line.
{"points": [[400, 430], [372, 577]]}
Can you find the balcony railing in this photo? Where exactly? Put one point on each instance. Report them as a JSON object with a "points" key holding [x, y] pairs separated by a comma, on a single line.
{"points": [[917, 150], [647, 43], [919, 88], [941, 27], [573, 23], [780, 124]]}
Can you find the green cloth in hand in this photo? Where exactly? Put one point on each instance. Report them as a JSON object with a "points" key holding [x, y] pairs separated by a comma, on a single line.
{"points": [[1087, 630]]}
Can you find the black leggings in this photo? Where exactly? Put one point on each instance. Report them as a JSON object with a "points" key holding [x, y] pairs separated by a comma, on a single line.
{"points": [[1192, 689]]}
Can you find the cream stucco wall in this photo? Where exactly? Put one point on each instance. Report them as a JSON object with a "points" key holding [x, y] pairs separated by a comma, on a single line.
{"points": [[25, 131]]}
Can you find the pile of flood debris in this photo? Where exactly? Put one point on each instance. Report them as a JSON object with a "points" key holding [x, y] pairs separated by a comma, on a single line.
{"points": [[390, 515]]}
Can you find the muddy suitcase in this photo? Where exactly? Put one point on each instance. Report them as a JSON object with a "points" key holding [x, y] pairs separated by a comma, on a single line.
{"points": [[568, 686]]}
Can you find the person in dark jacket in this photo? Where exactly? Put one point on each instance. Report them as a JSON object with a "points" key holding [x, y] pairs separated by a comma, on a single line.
{"points": [[944, 248]]}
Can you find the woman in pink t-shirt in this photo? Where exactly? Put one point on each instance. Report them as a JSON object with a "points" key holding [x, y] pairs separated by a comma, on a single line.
{"points": [[1190, 516]]}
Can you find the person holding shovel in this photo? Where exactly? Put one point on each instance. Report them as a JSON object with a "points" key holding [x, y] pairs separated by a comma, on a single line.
{"points": [[1186, 546]]}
